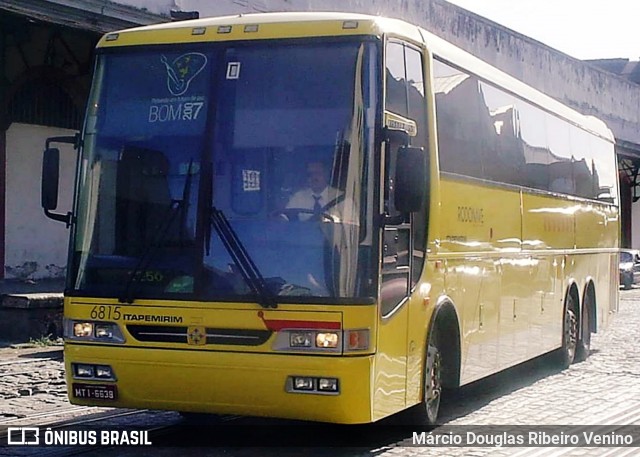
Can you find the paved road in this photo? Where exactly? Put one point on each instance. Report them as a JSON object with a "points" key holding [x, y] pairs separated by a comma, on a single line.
{"points": [[603, 390]]}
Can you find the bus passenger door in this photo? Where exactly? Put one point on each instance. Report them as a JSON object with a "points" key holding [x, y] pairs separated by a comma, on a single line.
{"points": [[391, 357], [403, 243]]}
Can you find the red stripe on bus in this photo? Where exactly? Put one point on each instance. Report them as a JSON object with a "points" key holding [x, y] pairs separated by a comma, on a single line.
{"points": [[276, 325]]}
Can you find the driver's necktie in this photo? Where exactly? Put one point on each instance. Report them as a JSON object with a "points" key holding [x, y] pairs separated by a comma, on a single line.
{"points": [[317, 207]]}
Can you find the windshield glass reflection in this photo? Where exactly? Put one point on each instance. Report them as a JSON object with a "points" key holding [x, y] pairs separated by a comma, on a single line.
{"points": [[275, 138]]}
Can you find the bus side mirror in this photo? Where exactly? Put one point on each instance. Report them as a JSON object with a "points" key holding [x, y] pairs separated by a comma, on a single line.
{"points": [[412, 170], [50, 178]]}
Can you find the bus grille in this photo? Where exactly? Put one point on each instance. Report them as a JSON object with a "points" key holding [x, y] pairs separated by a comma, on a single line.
{"points": [[178, 334]]}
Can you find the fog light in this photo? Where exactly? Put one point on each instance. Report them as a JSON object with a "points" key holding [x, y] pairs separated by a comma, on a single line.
{"points": [[327, 340], [328, 384], [83, 371], [104, 371], [300, 339], [302, 383], [83, 329]]}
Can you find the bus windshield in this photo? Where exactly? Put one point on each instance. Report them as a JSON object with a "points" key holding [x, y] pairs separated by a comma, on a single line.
{"points": [[274, 140]]}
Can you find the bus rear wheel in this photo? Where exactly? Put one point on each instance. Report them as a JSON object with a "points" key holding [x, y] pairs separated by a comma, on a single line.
{"points": [[583, 347]]}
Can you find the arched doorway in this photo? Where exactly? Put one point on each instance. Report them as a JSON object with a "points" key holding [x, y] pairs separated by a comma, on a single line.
{"points": [[45, 73]]}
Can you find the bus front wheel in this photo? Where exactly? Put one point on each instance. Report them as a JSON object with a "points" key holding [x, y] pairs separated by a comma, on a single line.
{"points": [[432, 383]]}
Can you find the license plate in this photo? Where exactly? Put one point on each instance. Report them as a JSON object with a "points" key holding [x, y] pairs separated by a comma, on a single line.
{"points": [[95, 391]]}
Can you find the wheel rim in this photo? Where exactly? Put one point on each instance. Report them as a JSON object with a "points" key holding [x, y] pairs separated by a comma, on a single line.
{"points": [[433, 385], [586, 328], [570, 332]]}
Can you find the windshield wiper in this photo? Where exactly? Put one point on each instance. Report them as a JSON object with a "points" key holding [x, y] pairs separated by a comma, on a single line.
{"points": [[240, 256], [148, 252], [175, 207]]}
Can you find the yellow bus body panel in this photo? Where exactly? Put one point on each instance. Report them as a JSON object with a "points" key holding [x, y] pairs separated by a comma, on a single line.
{"points": [[220, 378], [228, 382]]}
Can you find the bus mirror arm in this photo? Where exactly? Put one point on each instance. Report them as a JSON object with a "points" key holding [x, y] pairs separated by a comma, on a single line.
{"points": [[395, 136], [393, 220], [51, 177]]}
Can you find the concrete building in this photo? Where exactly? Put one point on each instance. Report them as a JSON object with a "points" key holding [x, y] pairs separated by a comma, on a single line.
{"points": [[45, 70], [46, 53]]}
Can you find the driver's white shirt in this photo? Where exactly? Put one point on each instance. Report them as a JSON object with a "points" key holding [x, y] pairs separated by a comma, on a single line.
{"points": [[305, 199]]}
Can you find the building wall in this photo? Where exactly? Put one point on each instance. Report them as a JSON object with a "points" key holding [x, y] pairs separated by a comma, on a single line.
{"points": [[35, 246]]}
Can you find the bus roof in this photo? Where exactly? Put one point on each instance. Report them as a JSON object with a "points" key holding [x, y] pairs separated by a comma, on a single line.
{"points": [[260, 26]]}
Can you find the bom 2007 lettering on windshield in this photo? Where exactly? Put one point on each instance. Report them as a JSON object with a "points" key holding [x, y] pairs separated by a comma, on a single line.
{"points": [[179, 106]]}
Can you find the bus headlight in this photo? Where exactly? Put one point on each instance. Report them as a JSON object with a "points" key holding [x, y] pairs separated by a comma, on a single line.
{"points": [[82, 329], [327, 340], [300, 339], [105, 332], [308, 340], [323, 340]]}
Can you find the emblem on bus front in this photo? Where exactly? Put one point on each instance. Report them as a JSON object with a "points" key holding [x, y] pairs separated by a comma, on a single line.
{"points": [[196, 336], [182, 70]]}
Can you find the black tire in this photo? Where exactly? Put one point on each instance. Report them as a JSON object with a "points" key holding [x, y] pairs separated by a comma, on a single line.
{"points": [[432, 382], [426, 412], [583, 347], [567, 353]]}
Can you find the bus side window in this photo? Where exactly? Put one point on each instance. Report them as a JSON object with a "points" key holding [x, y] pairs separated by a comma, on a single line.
{"points": [[404, 243], [418, 113]]}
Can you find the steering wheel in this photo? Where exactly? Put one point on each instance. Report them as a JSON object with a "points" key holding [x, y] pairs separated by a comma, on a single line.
{"points": [[293, 214]]}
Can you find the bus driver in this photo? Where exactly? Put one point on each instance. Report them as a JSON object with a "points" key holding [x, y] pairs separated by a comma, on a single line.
{"points": [[318, 198]]}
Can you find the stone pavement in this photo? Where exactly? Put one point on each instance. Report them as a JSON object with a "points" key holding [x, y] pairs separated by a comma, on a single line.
{"points": [[31, 382]]}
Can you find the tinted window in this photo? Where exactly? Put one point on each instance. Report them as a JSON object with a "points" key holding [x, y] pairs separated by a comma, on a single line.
{"points": [[503, 151], [560, 165], [582, 163], [462, 117], [486, 133], [396, 79], [418, 113], [605, 172]]}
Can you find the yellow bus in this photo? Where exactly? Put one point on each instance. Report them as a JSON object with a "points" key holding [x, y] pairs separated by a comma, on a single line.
{"points": [[324, 216]]}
